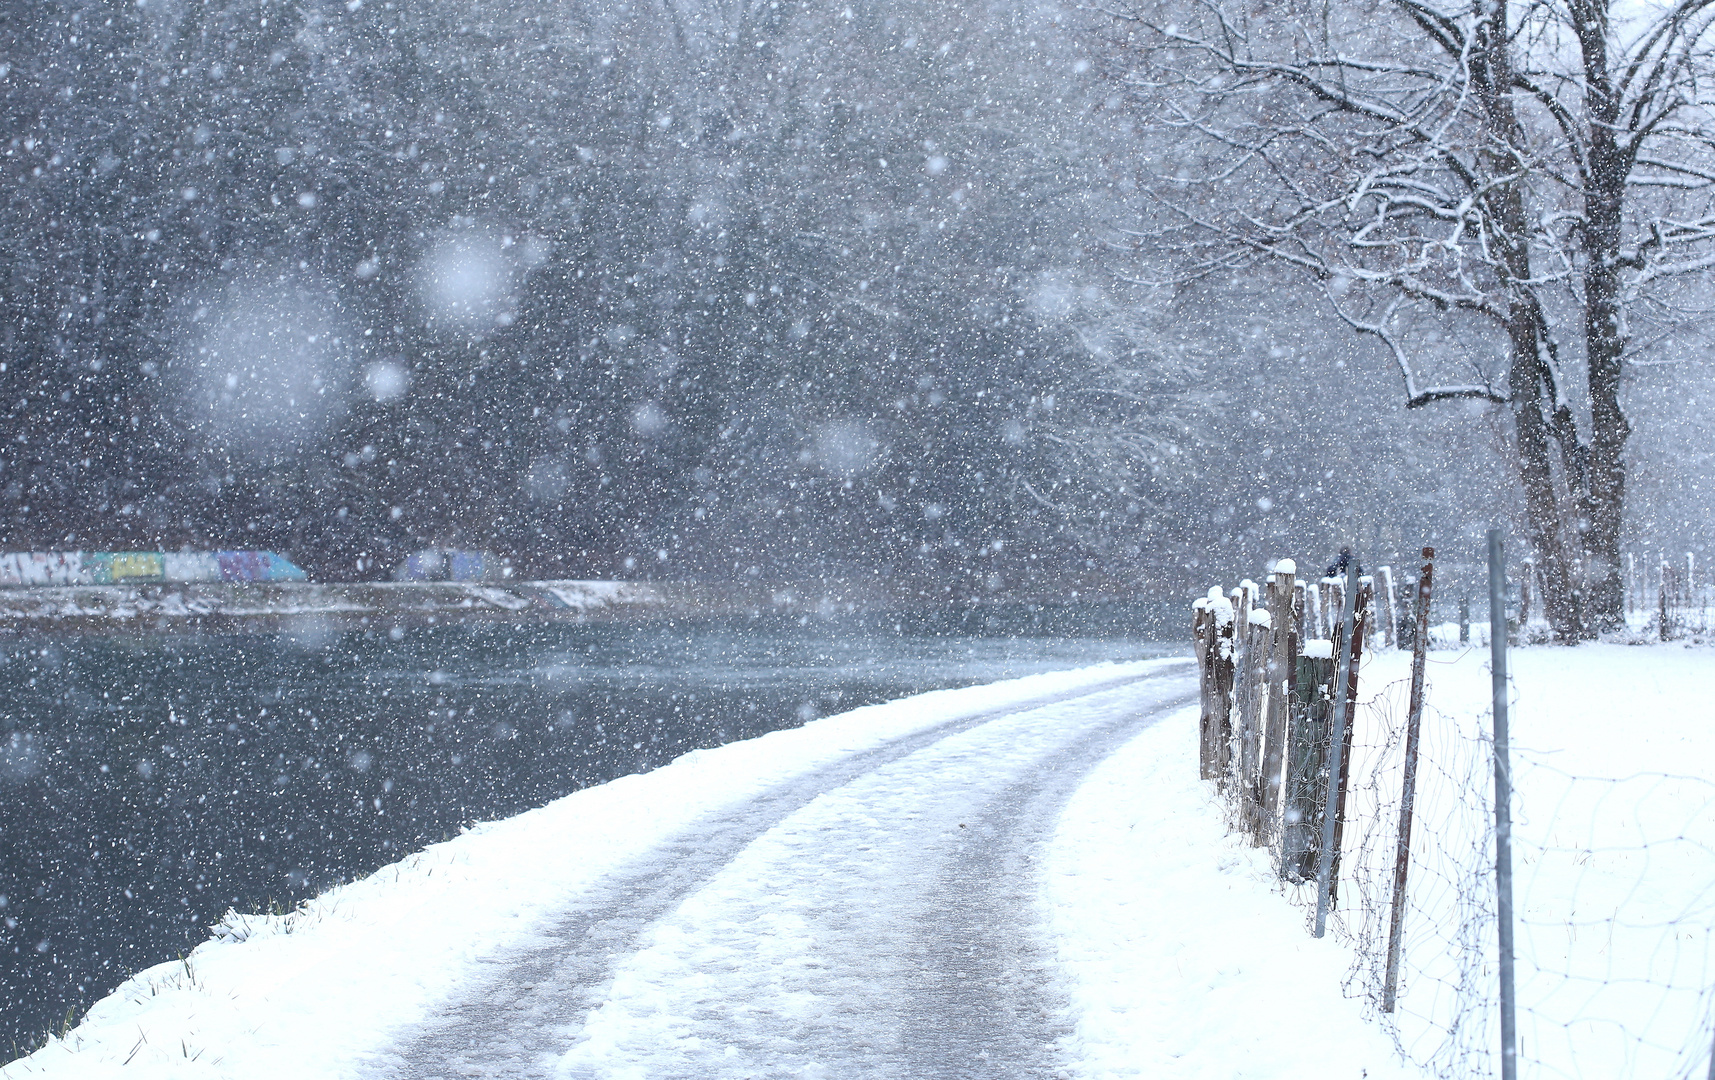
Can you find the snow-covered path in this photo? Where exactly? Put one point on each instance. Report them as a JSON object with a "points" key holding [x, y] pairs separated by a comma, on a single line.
{"points": [[874, 917]]}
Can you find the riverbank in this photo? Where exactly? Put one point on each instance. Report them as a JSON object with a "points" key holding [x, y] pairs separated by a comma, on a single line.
{"points": [[321, 608], [272, 607]]}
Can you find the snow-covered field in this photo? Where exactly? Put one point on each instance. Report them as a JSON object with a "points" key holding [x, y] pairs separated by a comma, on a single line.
{"points": [[1614, 855], [1172, 948]]}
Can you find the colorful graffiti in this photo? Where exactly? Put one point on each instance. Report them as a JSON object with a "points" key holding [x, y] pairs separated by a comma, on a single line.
{"points": [[143, 567]]}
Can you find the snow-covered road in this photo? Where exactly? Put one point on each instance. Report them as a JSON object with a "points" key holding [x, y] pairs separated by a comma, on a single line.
{"points": [[874, 917]]}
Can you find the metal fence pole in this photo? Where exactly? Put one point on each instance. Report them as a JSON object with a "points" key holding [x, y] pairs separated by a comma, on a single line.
{"points": [[1337, 743], [1408, 787], [1503, 803]]}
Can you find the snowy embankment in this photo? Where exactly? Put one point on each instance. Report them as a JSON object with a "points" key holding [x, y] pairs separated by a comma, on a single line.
{"points": [[1179, 956]]}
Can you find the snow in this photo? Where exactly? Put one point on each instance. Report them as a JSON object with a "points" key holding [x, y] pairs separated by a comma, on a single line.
{"points": [[842, 966], [1317, 649], [1221, 606], [1286, 566], [242, 599], [589, 595], [1614, 849], [1180, 957]]}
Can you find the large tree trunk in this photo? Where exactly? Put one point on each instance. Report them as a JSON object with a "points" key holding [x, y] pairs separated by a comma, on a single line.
{"points": [[1608, 426], [1528, 375], [1532, 447], [1604, 332]]}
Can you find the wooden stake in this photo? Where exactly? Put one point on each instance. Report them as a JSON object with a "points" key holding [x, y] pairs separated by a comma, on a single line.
{"points": [[1384, 602], [1283, 657], [1300, 602], [1524, 596], [1242, 764], [1222, 729], [1360, 631], [1203, 642], [1257, 633], [1329, 847], [1307, 762], [1666, 571]]}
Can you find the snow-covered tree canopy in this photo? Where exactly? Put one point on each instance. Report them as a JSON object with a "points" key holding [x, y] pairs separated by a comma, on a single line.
{"points": [[1492, 192]]}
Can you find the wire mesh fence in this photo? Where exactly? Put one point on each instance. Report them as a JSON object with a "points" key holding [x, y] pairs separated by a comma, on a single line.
{"points": [[1614, 891]]}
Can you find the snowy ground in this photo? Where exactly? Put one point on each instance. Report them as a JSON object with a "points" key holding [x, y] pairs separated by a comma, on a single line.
{"points": [[1614, 854], [1019, 879]]}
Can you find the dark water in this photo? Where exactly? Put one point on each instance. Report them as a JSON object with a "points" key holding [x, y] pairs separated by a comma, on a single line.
{"points": [[149, 783]]}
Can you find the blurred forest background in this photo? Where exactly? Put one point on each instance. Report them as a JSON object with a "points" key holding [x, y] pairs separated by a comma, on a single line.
{"points": [[782, 289]]}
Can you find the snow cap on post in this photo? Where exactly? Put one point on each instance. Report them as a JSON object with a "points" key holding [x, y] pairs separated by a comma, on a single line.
{"points": [[1221, 607], [1286, 566]]}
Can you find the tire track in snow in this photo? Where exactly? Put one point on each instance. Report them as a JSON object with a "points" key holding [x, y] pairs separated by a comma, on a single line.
{"points": [[947, 983]]}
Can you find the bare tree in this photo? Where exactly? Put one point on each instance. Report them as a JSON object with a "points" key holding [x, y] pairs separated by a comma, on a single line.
{"points": [[1494, 189]]}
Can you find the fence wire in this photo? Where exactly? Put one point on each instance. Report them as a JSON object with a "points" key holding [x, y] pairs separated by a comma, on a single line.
{"points": [[1614, 896]]}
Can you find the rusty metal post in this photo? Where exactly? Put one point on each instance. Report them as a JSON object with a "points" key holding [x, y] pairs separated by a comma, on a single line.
{"points": [[1408, 788]]}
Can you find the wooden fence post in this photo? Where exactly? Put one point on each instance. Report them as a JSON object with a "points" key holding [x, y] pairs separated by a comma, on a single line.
{"points": [[1666, 571], [1241, 685], [1384, 602], [1360, 616], [1306, 786], [1300, 605], [1283, 658], [1367, 602], [1203, 642], [1225, 645], [1258, 631]]}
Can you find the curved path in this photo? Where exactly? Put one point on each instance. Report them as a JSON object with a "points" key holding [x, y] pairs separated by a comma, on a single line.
{"points": [[875, 918]]}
